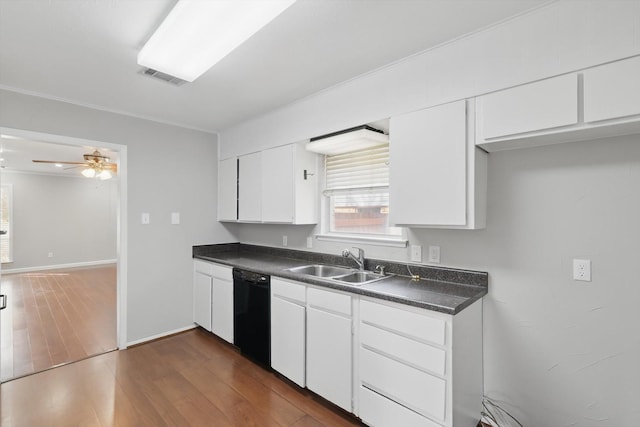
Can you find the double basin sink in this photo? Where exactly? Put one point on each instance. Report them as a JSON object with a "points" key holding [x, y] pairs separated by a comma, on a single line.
{"points": [[339, 274]]}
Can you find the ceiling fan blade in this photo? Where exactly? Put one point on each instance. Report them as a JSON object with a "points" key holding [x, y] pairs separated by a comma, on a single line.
{"points": [[61, 162], [74, 167], [110, 166]]}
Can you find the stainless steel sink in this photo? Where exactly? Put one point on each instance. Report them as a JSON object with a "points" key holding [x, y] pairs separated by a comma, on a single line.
{"points": [[360, 277], [320, 270]]}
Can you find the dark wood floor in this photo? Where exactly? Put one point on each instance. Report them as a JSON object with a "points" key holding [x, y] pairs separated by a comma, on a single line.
{"points": [[55, 317], [189, 379]]}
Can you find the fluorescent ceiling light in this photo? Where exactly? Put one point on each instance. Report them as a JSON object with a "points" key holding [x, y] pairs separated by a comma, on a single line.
{"points": [[346, 141], [198, 33]]}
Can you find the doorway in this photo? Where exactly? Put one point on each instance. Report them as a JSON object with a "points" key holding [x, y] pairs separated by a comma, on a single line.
{"points": [[77, 295]]}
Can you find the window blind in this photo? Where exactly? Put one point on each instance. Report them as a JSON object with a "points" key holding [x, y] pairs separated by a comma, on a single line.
{"points": [[363, 169]]}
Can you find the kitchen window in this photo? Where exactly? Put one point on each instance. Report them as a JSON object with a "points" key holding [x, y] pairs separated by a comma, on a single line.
{"points": [[356, 198], [6, 218]]}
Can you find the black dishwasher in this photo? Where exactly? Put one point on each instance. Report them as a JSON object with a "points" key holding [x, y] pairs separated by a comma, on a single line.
{"points": [[252, 315]]}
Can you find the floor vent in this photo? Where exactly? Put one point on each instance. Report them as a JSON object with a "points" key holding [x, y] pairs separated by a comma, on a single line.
{"points": [[162, 76]]}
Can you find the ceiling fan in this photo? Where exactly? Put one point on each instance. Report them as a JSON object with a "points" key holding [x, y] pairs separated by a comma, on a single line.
{"points": [[95, 165]]}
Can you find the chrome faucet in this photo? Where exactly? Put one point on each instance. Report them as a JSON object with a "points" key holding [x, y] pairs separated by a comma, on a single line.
{"points": [[359, 259]]}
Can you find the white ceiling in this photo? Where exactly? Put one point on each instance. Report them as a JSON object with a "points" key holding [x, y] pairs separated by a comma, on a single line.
{"points": [[85, 52]]}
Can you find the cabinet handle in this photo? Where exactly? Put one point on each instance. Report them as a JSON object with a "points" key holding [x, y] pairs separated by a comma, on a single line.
{"points": [[4, 302]]}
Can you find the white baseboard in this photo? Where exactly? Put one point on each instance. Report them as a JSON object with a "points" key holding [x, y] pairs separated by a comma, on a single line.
{"points": [[161, 335], [58, 266]]}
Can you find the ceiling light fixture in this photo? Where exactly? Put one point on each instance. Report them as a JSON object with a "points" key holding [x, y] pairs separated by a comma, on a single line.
{"points": [[89, 172], [97, 171], [197, 34], [348, 140]]}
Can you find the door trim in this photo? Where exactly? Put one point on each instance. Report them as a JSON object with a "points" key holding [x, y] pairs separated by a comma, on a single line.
{"points": [[121, 228]]}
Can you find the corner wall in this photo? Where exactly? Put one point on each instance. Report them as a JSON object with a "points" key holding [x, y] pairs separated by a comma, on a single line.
{"points": [[169, 169]]}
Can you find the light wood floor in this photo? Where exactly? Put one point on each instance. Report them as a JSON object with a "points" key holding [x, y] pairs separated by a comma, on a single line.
{"points": [[55, 317], [189, 379]]}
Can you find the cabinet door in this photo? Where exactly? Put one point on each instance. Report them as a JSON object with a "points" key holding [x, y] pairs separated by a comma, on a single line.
{"points": [[329, 356], [250, 187], [288, 339], [277, 185], [533, 107], [612, 91], [202, 299], [227, 190], [428, 152], [222, 309]]}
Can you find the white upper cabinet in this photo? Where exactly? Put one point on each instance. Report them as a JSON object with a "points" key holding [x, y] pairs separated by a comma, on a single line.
{"points": [[536, 106], [250, 187], [228, 189], [612, 91], [437, 175], [289, 185], [605, 102], [277, 185]]}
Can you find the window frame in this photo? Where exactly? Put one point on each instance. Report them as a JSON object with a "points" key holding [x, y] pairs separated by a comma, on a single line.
{"points": [[396, 240]]}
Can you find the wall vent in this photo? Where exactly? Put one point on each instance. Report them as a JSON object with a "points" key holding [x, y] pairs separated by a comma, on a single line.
{"points": [[150, 72]]}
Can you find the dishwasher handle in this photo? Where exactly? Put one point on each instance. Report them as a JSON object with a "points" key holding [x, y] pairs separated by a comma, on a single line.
{"points": [[4, 302], [251, 277]]}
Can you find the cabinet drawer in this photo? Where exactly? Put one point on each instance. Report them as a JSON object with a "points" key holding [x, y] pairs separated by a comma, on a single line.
{"points": [[203, 267], [378, 411], [415, 325], [331, 301], [222, 272], [407, 350], [288, 290], [406, 385], [532, 107]]}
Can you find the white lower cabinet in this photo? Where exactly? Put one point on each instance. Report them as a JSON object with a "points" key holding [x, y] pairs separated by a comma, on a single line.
{"points": [[202, 295], [390, 364], [213, 298], [329, 346], [409, 373], [222, 303], [288, 329]]}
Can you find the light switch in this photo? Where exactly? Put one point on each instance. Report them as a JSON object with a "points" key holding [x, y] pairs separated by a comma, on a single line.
{"points": [[175, 218], [416, 253], [145, 219], [434, 254]]}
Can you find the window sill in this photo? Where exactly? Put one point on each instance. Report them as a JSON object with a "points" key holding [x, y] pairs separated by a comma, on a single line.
{"points": [[400, 242]]}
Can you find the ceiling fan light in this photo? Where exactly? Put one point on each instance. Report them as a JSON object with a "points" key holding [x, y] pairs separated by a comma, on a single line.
{"points": [[89, 172], [105, 174]]}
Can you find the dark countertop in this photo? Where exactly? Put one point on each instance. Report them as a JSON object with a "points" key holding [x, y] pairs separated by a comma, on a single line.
{"points": [[440, 289]]}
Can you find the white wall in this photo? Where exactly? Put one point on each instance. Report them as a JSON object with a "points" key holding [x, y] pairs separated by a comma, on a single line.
{"points": [[170, 169], [557, 352], [73, 218], [560, 38]]}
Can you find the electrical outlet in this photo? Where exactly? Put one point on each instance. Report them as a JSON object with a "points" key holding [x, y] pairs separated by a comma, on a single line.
{"points": [[582, 270], [284, 240], [434, 254], [50, 255], [416, 253], [309, 242], [145, 218]]}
